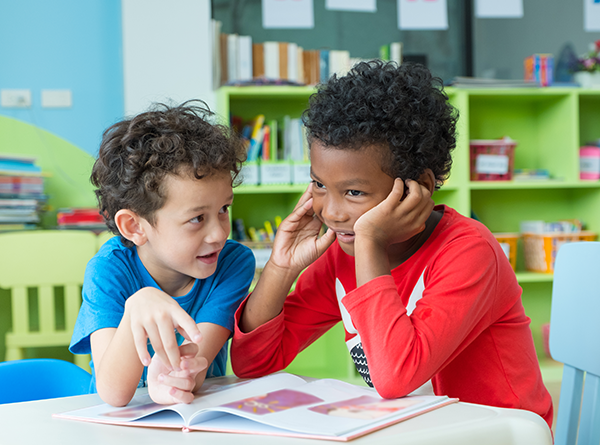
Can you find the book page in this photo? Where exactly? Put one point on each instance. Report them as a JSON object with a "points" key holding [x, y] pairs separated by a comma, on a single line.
{"points": [[214, 392], [324, 408], [281, 403]]}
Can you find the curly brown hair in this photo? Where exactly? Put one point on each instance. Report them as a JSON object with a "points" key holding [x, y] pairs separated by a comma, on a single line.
{"points": [[136, 155]]}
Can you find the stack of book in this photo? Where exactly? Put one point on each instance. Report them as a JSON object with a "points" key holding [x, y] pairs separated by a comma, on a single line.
{"points": [[22, 198], [239, 60]]}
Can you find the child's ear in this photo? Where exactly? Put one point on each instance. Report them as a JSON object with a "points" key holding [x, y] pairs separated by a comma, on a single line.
{"points": [[427, 180], [129, 224]]}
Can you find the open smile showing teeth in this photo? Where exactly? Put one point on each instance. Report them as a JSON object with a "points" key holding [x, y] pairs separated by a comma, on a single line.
{"points": [[210, 258], [345, 237]]}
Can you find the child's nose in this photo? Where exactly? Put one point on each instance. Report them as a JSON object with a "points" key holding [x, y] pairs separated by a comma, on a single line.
{"points": [[333, 210], [218, 231]]}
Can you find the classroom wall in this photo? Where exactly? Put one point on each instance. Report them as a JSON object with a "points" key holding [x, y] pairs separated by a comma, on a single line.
{"points": [[501, 45], [64, 44]]}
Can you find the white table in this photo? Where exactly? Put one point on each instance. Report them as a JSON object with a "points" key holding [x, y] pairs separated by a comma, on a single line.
{"points": [[460, 423]]}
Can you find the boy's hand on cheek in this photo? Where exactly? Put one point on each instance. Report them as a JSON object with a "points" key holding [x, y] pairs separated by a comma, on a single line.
{"points": [[297, 243], [169, 387], [395, 220], [155, 315]]}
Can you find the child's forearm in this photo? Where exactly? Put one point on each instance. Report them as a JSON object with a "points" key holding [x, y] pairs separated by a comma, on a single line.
{"points": [[266, 301], [371, 260], [117, 368]]}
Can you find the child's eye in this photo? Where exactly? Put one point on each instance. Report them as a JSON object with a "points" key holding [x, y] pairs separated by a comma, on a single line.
{"points": [[317, 184], [224, 209], [197, 219], [355, 193]]}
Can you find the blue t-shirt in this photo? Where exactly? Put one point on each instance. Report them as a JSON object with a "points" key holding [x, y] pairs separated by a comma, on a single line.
{"points": [[116, 272]]}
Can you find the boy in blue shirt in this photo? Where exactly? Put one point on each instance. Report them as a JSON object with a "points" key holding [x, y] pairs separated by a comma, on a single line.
{"points": [[169, 283]]}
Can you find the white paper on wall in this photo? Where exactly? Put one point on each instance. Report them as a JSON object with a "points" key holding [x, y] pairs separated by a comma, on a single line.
{"points": [[422, 14], [351, 5], [279, 14], [485, 9], [591, 15]]}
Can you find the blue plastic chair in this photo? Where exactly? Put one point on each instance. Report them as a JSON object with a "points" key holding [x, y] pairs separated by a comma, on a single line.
{"points": [[41, 378], [575, 341]]}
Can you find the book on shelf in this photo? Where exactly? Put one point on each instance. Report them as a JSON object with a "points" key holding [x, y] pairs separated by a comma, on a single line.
{"points": [[258, 60], [244, 58], [263, 142], [232, 57], [224, 58], [19, 217], [22, 198], [339, 62], [323, 65], [15, 227], [292, 62], [283, 60], [21, 185], [300, 65], [279, 404], [80, 218], [20, 203], [271, 58], [16, 164], [239, 60]]}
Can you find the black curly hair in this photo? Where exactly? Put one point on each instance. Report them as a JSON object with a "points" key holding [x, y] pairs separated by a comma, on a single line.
{"points": [[382, 104], [136, 155]]}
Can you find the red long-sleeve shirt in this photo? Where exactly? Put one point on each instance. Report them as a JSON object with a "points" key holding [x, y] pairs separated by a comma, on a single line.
{"points": [[451, 313]]}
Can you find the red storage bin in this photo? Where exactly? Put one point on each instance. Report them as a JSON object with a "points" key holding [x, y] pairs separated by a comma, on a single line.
{"points": [[492, 159]]}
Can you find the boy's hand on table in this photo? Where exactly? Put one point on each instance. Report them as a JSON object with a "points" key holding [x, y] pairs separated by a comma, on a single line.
{"points": [[395, 220], [169, 387], [155, 315], [297, 243]]}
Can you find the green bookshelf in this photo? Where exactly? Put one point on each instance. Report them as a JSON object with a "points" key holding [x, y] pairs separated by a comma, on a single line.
{"points": [[549, 125]]}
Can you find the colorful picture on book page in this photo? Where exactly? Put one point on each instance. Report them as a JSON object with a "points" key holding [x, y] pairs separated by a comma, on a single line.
{"points": [[134, 411], [364, 407], [273, 402]]}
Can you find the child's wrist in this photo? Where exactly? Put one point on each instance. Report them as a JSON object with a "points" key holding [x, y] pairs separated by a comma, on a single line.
{"points": [[368, 243], [283, 273]]}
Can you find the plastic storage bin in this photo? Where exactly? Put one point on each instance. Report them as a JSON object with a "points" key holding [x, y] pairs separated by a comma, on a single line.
{"points": [[540, 249], [589, 163], [508, 242], [492, 159]]}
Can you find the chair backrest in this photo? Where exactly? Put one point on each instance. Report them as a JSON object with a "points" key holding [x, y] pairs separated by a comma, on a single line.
{"points": [[575, 341], [48, 261], [41, 378]]}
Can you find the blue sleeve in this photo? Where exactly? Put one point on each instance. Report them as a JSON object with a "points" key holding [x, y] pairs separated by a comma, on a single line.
{"points": [[106, 286], [227, 287]]}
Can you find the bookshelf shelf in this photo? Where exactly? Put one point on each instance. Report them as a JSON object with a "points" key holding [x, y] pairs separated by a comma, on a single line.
{"points": [[516, 185], [549, 125], [533, 277]]}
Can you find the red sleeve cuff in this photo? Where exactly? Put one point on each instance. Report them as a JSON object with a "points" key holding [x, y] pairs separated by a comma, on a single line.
{"points": [[368, 291], [271, 327]]}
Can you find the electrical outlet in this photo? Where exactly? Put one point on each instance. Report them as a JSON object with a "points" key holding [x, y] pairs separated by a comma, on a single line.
{"points": [[15, 98]]}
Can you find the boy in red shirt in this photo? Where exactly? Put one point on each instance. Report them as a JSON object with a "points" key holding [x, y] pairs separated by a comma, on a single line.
{"points": [[424, 293]]}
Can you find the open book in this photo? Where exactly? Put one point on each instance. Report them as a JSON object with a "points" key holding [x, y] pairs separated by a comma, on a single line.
{"points": [[279, 404]]}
